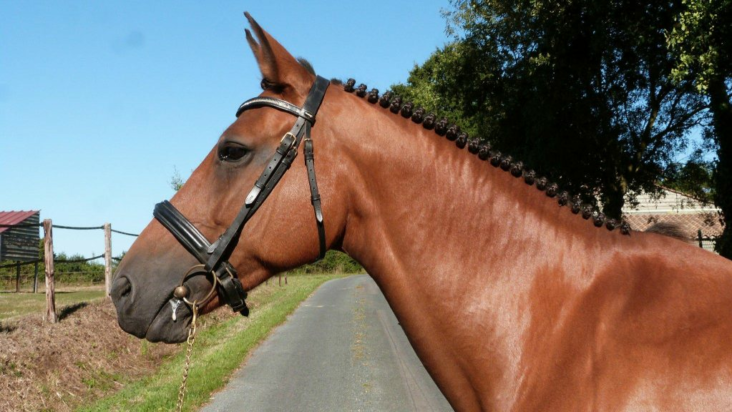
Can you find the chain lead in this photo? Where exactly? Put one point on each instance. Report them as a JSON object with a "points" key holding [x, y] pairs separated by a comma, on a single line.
{"points": [[191, 339]]}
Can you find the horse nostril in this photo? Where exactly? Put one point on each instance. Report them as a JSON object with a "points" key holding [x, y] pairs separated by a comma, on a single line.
{"points": [[125, 290], [121, 287]]}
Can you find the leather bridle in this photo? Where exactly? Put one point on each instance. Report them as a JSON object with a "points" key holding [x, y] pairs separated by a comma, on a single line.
{"points": [[214, 256]]}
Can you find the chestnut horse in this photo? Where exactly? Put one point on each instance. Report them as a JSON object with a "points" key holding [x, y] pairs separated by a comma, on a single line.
{"points": [[511, 301]]}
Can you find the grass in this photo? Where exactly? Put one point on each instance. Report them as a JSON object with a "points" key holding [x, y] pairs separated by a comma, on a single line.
{"points": [[219, 350], [15, 304]]}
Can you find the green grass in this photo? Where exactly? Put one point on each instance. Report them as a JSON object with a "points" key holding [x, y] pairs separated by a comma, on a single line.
{"points": [[15, 304], [219, 350]]}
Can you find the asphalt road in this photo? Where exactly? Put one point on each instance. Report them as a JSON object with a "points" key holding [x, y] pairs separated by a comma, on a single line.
{"points": [[342, 350]]}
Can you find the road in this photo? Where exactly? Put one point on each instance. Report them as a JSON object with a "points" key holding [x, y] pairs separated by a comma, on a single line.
{"points": [[342, 350]]}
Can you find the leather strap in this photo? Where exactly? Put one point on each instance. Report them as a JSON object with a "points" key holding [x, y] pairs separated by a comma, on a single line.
{"points": [[215, 256], [277, 104], [276, 167], [314, 193], [183, 230], [230, 289], [261, 190]]}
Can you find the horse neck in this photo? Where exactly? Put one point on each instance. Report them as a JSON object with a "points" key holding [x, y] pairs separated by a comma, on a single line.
{"points": [[453, 242], [418, 205]]}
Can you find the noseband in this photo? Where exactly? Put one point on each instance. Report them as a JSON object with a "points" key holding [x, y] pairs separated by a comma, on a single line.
{"points": [[214, 256]]}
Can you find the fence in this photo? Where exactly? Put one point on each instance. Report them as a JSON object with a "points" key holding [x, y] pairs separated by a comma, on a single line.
{"points": [[30, 276], [25, 276], [706, 242]]}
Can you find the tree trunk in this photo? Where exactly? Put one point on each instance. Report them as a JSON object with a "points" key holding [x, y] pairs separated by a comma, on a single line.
{"points": [[722, 121], [613, 200]]}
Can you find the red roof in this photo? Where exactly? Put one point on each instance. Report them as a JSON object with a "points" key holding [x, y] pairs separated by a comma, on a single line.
{"points": [[13, 218]]}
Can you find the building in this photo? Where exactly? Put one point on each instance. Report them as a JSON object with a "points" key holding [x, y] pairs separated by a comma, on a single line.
{"points": [[19, 238], [701, 223]]}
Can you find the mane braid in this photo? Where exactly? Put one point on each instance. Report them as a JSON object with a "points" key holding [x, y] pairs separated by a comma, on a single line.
{"points": [[482, 148]]}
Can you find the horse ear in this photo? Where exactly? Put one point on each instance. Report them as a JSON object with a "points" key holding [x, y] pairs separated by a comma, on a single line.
{"points": [[277, 65]]}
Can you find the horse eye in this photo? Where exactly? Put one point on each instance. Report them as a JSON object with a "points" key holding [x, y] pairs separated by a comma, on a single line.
{"points": [[232, 153]]}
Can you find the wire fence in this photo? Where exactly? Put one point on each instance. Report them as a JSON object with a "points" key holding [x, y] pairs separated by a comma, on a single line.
{"points": [[71, 228], [67, 276]]}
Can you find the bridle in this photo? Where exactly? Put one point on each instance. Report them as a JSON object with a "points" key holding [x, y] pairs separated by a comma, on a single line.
{"points": [[213, 257]]}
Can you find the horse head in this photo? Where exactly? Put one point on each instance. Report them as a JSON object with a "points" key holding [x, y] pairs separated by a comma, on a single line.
{"points": [[171, 262]]}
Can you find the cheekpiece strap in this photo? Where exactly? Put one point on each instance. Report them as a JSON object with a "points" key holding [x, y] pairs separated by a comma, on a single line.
{"points": [[275, 169]]}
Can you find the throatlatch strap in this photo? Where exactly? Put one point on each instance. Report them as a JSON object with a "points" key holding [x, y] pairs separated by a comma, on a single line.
{"points": [[314, 193]]}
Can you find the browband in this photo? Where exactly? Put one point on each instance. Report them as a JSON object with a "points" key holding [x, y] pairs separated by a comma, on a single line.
{"points": [[277, 104]]}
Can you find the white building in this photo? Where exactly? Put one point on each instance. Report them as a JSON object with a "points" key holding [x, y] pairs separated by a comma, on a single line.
{"points": [[701, 223]]}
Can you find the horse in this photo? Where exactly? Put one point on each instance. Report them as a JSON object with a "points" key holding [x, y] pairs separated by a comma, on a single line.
{"points": [[514, 296]]}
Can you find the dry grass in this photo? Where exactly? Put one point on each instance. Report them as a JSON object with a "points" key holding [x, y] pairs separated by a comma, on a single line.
{"points": [[57, 367], [221, 346], [86, 356]]}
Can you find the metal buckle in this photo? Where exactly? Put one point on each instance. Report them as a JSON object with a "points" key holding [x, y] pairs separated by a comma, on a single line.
{"points": [[231, 275], [294, 139]]}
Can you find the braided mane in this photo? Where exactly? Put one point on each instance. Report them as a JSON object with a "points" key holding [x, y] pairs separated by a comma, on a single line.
{"points": [[483, 150]]}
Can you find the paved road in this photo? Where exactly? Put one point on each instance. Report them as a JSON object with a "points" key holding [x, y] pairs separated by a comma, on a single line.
{"points": [[342, 350]]}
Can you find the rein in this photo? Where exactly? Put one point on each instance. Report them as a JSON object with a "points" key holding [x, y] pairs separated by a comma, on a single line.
{"points": [[213, 257]]}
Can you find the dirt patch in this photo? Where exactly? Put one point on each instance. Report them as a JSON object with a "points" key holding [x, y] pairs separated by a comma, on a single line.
{"points": [[84, 356]]}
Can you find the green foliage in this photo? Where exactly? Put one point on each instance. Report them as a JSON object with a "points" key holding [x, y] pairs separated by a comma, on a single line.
{"points": [[701, 41], [431, 85], [580, 91], [333, 262], [66, 271], [701, 44], [176, 182], [695, 177]]}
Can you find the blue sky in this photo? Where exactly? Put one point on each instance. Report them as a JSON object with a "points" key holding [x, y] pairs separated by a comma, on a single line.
{"points": [[101, 101]]}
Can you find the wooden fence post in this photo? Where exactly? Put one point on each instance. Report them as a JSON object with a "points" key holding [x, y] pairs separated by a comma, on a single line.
{"points": [[48, 260], [107, 259], [35, 277], [17, 277]]}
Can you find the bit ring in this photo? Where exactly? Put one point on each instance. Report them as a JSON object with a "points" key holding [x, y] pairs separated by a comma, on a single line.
{"points": [[192, 272]]}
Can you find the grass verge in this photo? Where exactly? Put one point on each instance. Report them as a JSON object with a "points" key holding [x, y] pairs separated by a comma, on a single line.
{"points": [[219, 350], [16, 304]]}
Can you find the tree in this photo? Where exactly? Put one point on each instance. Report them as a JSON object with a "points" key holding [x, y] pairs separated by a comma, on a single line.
{"points": [[695, 177], [701, 43], [176, 182], [581, 91]]}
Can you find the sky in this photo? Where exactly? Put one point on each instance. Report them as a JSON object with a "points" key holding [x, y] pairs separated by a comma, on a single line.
{"points": [[101, 102]]}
